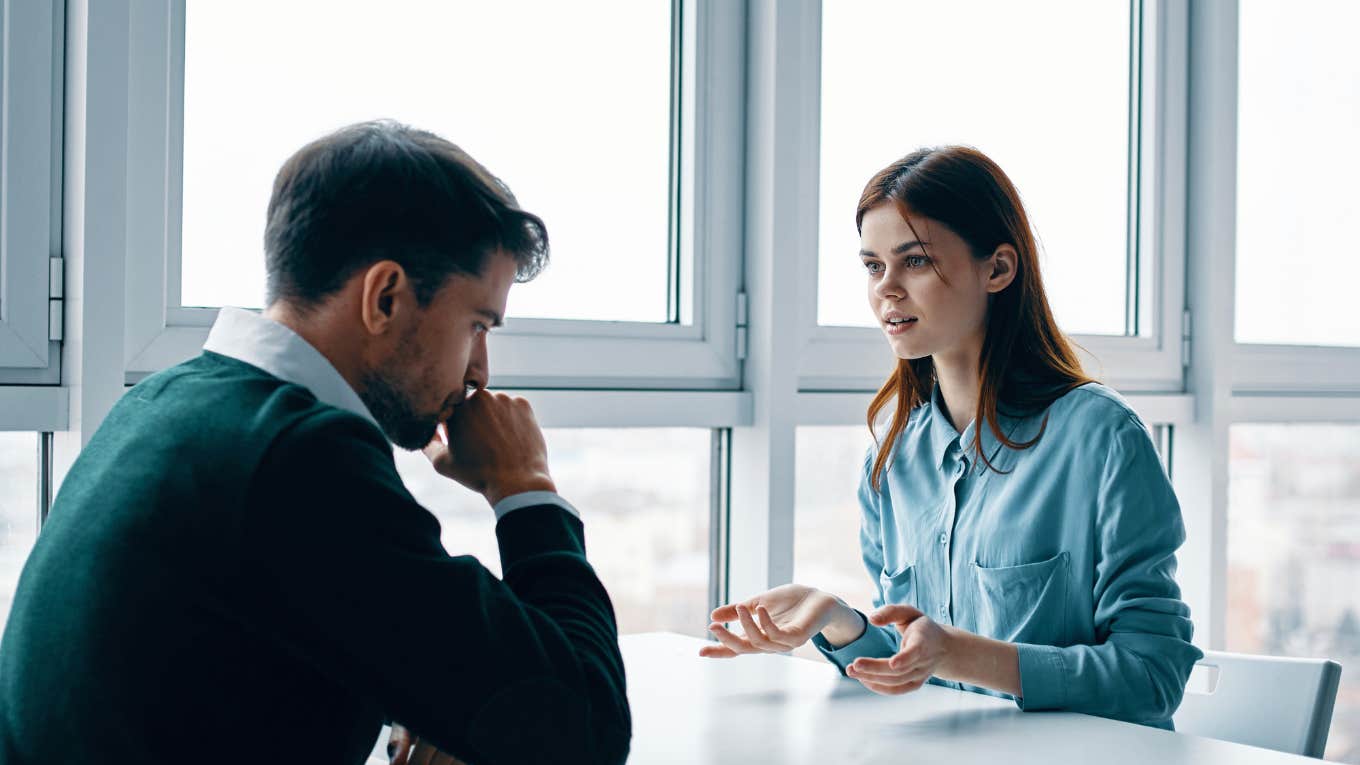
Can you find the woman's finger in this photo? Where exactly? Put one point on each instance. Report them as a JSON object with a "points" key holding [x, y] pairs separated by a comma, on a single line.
{"points": [[754, 634], [885, 675], [716, 652], [893, 689], [785, 638], [897, 614], [733, 642], [724, 613]]}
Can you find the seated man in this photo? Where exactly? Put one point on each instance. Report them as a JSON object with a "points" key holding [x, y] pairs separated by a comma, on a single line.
{"points": [[233, 571]]}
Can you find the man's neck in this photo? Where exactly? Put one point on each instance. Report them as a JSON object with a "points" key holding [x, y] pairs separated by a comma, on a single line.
{"points": [[319, 327]]}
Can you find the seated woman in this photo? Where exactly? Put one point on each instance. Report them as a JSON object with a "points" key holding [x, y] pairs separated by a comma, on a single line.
{"points": [[1015, 517]]}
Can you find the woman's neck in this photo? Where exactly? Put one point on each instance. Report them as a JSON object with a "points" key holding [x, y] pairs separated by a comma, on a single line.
{"points": [[960, 385]]}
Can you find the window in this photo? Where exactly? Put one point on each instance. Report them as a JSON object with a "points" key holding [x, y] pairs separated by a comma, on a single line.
{"points": [[644, 494], [827, 514], [1053, 113], [1294, 554], [30, 191], [18, 511], [1298, 112], [585, 141]]}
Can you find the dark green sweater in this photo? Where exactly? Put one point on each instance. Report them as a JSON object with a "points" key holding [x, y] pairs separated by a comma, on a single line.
{"points": [[233, 572]]}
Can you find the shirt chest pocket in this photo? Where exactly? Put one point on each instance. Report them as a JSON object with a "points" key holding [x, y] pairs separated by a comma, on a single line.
{"points": [[1025, 603], [898, 587]]}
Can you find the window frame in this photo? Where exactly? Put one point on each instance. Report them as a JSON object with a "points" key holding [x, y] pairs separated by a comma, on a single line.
{"points": [[853, 358], [527, 353], [31, 77]]}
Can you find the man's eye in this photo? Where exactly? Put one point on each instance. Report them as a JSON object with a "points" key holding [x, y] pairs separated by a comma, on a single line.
{"points": [[480, 327]]}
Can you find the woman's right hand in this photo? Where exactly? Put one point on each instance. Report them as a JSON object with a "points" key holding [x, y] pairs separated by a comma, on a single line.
{"points": [[783, 619]]}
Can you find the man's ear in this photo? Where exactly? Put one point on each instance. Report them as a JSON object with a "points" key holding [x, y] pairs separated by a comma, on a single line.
{"points": [[386, 295], [1004, 260]]}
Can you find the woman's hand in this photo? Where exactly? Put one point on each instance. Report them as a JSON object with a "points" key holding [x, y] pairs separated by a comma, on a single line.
{"points": [[781, 620], [924, 650]]}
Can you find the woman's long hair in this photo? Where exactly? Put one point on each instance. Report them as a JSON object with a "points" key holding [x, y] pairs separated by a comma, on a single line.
{"points": [[1026, 362]]}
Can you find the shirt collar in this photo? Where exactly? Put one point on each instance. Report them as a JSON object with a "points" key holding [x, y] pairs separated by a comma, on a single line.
{"points": [[264, 343], [943, 436]]}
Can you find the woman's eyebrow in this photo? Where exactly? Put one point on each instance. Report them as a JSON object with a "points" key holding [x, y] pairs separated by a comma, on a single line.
{"points": [[898, 250]]}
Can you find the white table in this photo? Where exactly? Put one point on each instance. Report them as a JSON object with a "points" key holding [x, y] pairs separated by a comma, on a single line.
{"points": [[754, 710]]}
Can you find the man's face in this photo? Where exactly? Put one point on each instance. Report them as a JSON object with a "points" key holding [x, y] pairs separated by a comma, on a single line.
{"points": [[438, 355]]}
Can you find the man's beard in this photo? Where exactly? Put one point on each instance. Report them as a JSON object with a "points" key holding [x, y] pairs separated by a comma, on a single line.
{"points": [[391, 405]]}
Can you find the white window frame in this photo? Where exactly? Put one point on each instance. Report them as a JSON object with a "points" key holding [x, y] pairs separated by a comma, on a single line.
{"points": [[31, 36], [526, 353], [852, 358]]}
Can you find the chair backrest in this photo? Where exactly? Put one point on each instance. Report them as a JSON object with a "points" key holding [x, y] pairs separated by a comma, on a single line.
{"points": [[1273, 702]]}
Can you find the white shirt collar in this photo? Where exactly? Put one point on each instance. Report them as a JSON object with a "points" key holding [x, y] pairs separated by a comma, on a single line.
{"points": [[264, 343]]}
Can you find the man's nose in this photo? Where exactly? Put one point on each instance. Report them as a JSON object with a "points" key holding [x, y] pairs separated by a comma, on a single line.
{"points": [[478, 374]]}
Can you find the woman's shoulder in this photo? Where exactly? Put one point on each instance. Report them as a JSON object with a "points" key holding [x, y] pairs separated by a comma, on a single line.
{"points": [[1095, 409]]}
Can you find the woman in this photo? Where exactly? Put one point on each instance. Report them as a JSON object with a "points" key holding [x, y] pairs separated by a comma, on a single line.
{"points": [[1015, 516]]}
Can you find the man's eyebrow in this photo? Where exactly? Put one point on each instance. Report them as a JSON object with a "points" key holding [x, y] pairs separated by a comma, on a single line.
{"points": [[491, 316], [898, 250]]}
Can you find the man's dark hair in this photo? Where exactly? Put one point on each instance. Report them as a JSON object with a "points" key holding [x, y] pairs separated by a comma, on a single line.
{"points": [[385, 191]]}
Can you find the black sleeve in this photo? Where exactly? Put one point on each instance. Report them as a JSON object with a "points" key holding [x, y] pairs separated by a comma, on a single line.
{"points": [[348, 572]]}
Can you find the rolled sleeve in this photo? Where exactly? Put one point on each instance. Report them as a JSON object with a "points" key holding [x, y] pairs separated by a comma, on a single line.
{"points": [[1043, 677]]}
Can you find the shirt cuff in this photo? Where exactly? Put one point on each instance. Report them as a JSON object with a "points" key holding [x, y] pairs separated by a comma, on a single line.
{"points": [[530, 499], [875, 643], [1043, 677]]}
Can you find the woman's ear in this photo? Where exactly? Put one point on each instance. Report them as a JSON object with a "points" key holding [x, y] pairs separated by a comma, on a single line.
{"points": [[1004, 262], [386, 291]]}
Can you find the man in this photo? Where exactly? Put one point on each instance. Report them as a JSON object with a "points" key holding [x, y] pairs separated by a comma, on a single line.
{"points": [[233, 571]]}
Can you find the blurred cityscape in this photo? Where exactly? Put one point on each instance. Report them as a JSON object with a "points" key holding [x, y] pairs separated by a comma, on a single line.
{"points": [[1294, 555], [1293, 531]]}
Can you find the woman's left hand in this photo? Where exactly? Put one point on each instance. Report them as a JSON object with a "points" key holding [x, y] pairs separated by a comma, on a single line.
{"points": [[923, 651]]}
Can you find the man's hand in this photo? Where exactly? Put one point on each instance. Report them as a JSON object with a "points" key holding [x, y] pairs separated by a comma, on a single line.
{"points": [[780, 620], [494, 447], [405, 749]]}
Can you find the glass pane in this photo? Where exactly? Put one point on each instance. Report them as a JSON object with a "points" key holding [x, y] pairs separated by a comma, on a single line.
{"points": [[1298, 112], [1041, 88], [577, 124], [18, 510], [826, 515], [1294, 554], [644, 496]]}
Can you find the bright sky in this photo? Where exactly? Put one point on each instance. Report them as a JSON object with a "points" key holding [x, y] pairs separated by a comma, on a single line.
{"points": [[1041, 88], [1298, 156], [573, 115]]}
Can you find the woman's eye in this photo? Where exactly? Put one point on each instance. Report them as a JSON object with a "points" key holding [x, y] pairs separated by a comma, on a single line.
{"points": [[915, 261], [873, 267]]}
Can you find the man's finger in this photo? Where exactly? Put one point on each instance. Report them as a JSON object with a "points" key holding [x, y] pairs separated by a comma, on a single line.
{"points": [[399, 746], [423, 753]]}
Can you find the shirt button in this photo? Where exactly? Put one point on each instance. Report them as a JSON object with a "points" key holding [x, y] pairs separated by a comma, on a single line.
{"points": [[944, 610], [944, 538]]}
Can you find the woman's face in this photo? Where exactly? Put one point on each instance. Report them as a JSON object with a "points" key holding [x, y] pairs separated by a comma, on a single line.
{"points": [[929, 295]]}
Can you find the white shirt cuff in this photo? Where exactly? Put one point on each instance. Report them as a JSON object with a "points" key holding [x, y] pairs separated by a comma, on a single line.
{"points": [[529, 499]]}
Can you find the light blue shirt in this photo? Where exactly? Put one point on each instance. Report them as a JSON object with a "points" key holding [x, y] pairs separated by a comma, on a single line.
{"points": [[1066, 549], [268, 345]]}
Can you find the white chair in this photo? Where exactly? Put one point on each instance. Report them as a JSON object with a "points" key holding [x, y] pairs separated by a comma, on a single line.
{"points": [[1273, 702]]}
